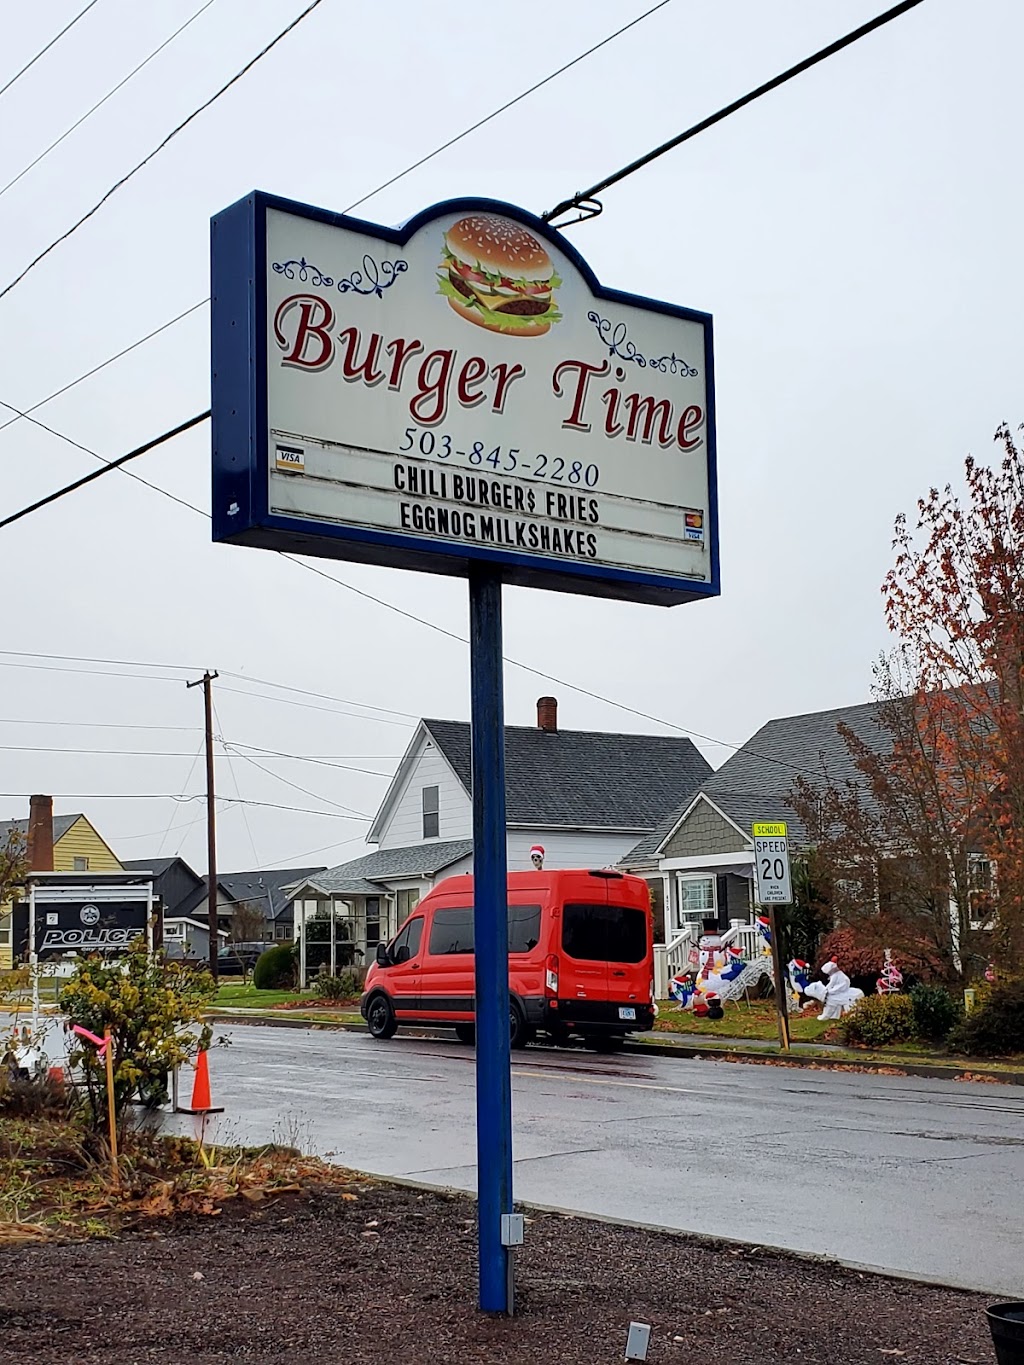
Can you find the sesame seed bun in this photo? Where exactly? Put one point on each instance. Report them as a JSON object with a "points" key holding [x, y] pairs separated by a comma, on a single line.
{"points": [[500, 246]]}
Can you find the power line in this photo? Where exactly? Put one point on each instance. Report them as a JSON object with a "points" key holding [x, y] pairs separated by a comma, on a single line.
{"points": [[415, 165], [181, 800], [95, 370], [43, 50], [129, 473], [320, 696], [386, 184], [586, 200], [99, 103], [159, 148], [111, 464], [317, 796], [309, 706]]}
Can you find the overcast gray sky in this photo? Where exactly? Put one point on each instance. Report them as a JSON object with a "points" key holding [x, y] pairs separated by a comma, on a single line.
{"points": [[855, 235]]}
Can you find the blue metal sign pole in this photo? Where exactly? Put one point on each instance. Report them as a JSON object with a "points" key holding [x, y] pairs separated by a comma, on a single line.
{"points": [[490, 914]]}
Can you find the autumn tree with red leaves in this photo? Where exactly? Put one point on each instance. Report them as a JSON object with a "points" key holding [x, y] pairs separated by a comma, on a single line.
{"points": [[945, 782]]}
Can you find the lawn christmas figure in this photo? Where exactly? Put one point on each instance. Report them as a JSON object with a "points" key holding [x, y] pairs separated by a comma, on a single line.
{"points": [[681, 988], [799, 974], [715, 1010], [537, 856], [891, 979], [836, 994]]}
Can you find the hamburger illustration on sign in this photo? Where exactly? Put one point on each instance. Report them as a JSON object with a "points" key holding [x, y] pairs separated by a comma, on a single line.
{"points": [[497, 275]]}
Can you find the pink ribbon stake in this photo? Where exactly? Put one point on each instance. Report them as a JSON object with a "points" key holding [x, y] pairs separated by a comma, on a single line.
{"points": [[101, 1043]]}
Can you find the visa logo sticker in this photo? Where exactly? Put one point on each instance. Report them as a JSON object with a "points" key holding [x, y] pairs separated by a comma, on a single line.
{"points": [[291, 459], [693, 525]]}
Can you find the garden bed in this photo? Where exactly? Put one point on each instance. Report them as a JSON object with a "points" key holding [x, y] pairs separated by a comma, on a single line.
{"points": [[303, 1278]]}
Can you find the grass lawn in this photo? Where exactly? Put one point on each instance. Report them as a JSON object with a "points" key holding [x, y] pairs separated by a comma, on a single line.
{"points": [[237, 996], [756, 1021]]}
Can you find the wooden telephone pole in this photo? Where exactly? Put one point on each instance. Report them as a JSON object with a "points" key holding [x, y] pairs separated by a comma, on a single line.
{"points": [[211, 819]]}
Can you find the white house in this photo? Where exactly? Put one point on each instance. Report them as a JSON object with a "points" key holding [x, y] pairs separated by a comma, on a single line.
{"points": [[586, 796]]}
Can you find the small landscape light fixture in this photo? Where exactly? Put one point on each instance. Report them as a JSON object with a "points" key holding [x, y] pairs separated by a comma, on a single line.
{"points": [[638, 1341]]}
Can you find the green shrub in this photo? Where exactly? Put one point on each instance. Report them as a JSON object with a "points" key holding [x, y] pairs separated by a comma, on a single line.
{"points": [[275, 969], [935, 1012], [344, 986], [879, 1019], [996, 1026]]}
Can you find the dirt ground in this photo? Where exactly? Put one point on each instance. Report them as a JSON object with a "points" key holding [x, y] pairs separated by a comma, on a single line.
{"points": [[392, 1275]]}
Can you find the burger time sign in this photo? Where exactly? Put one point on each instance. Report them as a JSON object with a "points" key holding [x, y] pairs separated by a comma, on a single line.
{"points": [[460, 388]]}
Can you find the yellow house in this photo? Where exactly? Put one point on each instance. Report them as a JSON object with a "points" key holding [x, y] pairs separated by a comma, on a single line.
{"points": [[76, 848]]}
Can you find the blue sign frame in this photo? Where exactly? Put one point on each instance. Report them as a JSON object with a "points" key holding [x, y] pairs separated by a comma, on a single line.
{"points": [[241, 512]]}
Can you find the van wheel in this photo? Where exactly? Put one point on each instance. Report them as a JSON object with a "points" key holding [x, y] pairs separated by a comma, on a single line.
{"points": [[380, 1018], [466, 1033], [518, 1034]]}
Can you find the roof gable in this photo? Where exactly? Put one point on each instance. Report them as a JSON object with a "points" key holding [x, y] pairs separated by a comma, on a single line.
{"points": [[757, 781], [585, 779], [61, 825]]}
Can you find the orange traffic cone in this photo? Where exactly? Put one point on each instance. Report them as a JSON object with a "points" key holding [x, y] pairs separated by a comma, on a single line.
{"points": [[201, 1090]]}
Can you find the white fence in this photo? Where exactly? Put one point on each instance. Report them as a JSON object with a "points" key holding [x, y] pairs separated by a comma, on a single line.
{"points": [[674, 957]]}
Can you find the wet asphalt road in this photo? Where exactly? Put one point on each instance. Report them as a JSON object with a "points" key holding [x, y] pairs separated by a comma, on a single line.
{"points": [[917, 1176]]}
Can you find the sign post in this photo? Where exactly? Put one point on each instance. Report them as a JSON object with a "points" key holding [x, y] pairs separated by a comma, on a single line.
{"points": [[490, 925], [774, 887], [461, 396]]}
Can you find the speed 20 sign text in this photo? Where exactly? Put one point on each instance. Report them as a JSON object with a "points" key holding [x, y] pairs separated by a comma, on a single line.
{"points": [[771, 863]]}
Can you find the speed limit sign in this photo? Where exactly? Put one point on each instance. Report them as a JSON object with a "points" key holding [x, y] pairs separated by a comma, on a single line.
{"points": [[771, 862]]}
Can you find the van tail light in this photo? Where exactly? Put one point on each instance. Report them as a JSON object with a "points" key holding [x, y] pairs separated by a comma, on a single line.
{"points": [[551, 974]]}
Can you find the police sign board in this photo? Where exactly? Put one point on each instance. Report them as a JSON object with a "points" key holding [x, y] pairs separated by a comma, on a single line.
{"points": [[458, 390], [771, 863]]}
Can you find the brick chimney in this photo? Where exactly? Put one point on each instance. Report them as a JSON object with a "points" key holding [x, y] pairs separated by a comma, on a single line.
{"points": [[547, 714], [39, 849]]}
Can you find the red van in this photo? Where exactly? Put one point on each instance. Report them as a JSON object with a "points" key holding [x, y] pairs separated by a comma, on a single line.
{"points": [[580, 960]]}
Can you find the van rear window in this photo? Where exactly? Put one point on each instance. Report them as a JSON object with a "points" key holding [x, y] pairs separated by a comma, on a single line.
{"points": [[452, 930], [604, 933]]}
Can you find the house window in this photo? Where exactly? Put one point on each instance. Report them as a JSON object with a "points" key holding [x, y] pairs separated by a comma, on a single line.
{"points": [[174, 931], [407, 902], [431, 816], [981, 873], [372, 921], [696, 900], [81, 865], [282, 931]]}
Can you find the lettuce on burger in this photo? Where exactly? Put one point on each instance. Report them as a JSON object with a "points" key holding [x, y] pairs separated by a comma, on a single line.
{"points": [[497, 275]]}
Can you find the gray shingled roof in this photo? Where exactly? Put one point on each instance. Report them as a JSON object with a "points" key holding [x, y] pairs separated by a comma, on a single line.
{"points": [[359, 877], [266, 888], [61, 825], [154, 865], [755, 784], [583, 778]]}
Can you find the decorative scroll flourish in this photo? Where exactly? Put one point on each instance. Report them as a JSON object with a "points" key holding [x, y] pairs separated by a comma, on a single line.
{"points": [[615, 337], [304, 271], [672, 364], [374, 278]]}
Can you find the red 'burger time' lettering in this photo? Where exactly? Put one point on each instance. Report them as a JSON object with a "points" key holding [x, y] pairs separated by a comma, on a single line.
{"points": [[302, 329], [303, 326], [647, 419]]}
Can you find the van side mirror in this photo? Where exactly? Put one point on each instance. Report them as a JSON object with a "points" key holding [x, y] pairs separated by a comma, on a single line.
{"points": [[383, 959]]}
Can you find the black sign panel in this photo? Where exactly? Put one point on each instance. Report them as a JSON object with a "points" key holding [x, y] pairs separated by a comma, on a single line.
{"points": [[82, 926]]}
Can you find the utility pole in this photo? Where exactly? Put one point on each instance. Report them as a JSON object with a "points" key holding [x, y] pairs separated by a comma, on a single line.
{"points": [[211, 818]]}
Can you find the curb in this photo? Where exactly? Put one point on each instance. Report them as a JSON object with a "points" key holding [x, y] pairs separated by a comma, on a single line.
{"points": [[692, 1052], [813, 1257]]}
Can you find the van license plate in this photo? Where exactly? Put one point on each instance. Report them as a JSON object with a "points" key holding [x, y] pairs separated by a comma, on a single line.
{"points": [[627, 1012]]}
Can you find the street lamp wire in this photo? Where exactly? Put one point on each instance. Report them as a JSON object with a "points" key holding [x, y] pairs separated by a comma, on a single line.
{"points": [[43, 50], [586, 202]]}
